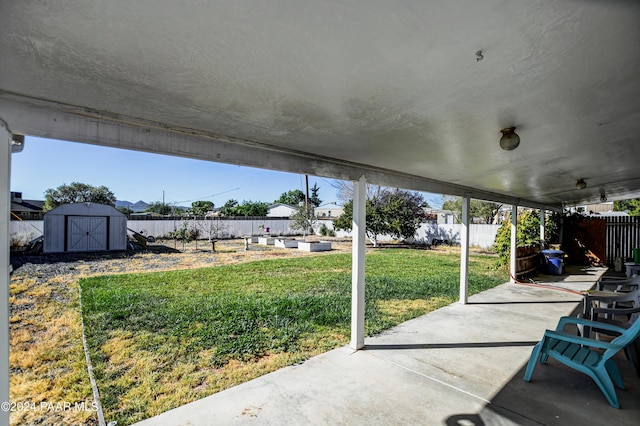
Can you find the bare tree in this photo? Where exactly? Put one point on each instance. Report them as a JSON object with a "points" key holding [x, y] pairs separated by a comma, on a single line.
{"points": [[213, 229], [345, 190]]}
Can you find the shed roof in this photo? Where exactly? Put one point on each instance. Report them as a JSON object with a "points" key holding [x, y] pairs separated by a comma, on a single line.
{"points": [[84, 209]]}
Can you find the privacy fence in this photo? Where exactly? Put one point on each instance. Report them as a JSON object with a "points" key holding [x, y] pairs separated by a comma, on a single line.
{"points": [[480, 235], [622, 235]]}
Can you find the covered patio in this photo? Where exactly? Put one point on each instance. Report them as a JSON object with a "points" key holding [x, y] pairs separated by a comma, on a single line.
{"points": [[459, 365], [407, 94]]}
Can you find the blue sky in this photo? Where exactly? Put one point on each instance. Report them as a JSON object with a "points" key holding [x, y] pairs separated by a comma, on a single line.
{"points": [[133, 176]]}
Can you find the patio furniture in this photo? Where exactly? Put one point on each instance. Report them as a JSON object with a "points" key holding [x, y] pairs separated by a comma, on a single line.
{"points": [[631, 268], [575, 352], [617, 284], [623, 318], [611, 299]]}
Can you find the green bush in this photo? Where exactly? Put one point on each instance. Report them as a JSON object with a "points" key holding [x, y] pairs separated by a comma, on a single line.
{"points": [[326, 231], [528, 233]]}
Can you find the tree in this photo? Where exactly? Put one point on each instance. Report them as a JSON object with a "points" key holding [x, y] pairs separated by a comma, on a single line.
{"points": [[303, 219], [484, 210], [247, 208], [160, 208], [229, 208], [252, 208], [344, 190], [200, 208], [295, 197], [78, 192], [632, 207], [314, 200], [124, 210], [213, 229], [395, 212], [292, 198]]}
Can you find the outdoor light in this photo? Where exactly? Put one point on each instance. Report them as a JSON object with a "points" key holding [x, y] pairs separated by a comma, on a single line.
{"points": [[581, 184], [17, 143], [603, 196], [510, 139]]}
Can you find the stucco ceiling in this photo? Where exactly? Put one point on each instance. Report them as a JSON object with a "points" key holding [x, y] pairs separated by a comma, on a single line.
{"points": [[393, 87]]}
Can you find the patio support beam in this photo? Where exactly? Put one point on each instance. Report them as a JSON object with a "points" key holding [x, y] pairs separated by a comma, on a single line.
{"points": [[5, 211], [464, 251], [358, 263], [514, 232], [542, 215]]}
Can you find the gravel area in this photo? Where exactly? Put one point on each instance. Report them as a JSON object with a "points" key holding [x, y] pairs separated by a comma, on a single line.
{"points": [[161, 255]]}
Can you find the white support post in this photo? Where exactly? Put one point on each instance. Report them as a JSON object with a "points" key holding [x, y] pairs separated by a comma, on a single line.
{"points": [[542, 218], [464, 251], [514, 233], [5, 211], [358, 263]]}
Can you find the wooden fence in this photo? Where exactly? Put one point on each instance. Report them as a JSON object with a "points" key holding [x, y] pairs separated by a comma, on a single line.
{"points": [[622, 236]]}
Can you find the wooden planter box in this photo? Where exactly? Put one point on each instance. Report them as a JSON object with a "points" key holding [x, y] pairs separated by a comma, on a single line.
{"points": [[528, 259]]}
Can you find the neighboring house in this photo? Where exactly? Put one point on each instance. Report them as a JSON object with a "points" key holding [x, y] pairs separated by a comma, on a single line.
{"points": [[25, 209], [328, 211], [138, 207], [281, 210], [441, 217], [594, 208]]}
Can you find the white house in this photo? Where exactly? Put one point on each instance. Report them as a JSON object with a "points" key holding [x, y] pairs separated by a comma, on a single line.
{"points": [[328, 211], [281, 210]]}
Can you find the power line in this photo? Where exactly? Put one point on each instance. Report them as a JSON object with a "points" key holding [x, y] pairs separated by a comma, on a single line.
{"points": [[208, 196]]}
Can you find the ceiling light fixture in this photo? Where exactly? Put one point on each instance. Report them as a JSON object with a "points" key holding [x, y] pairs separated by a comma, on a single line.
{"points": [[603, 195], [510, 139], [581, 184]]}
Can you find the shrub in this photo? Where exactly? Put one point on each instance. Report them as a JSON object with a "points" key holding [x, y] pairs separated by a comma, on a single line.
{"points": [[528, 233], [325, 231]]}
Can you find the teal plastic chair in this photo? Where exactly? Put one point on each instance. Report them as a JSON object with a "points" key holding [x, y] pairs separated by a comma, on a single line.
{"points": [[575, 352]]}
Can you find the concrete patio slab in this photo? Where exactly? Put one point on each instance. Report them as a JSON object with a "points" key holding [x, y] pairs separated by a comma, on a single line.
{"points": [[459, 365]]}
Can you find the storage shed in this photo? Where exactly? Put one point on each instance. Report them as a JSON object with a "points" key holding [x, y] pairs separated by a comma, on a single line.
{"points": [[81, 227]]}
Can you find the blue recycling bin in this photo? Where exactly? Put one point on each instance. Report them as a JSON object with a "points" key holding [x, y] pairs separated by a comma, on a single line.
{"points": [[554, 261]]}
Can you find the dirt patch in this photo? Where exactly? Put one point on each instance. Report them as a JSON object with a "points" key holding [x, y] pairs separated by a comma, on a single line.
{"points": [[158, 256]]}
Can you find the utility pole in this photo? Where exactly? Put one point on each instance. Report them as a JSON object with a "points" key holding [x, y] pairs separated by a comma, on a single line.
{"points": [[306, 195]]}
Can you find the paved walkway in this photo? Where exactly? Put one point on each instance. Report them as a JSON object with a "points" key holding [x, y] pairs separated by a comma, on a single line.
{"points": [[459, 365]]}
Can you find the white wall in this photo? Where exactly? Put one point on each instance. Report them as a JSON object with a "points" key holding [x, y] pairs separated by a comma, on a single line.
{"points": [[480, 235], [227, 228]]}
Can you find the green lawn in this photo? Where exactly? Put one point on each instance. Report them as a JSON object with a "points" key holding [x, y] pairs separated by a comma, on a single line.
{"points": [[160, 340]]}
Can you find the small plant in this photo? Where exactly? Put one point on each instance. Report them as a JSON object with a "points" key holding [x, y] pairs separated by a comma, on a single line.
{"points": [[326, 232], [184, 234]]}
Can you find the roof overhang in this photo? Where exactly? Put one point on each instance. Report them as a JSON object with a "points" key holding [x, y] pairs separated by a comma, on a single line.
{"points": [[410, 94]]}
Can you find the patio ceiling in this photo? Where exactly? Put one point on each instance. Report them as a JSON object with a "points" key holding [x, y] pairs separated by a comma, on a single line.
{"points": [[391, 89]]}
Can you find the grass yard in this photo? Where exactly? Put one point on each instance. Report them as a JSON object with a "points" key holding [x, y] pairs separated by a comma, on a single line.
{"points": [[160, 340]]}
